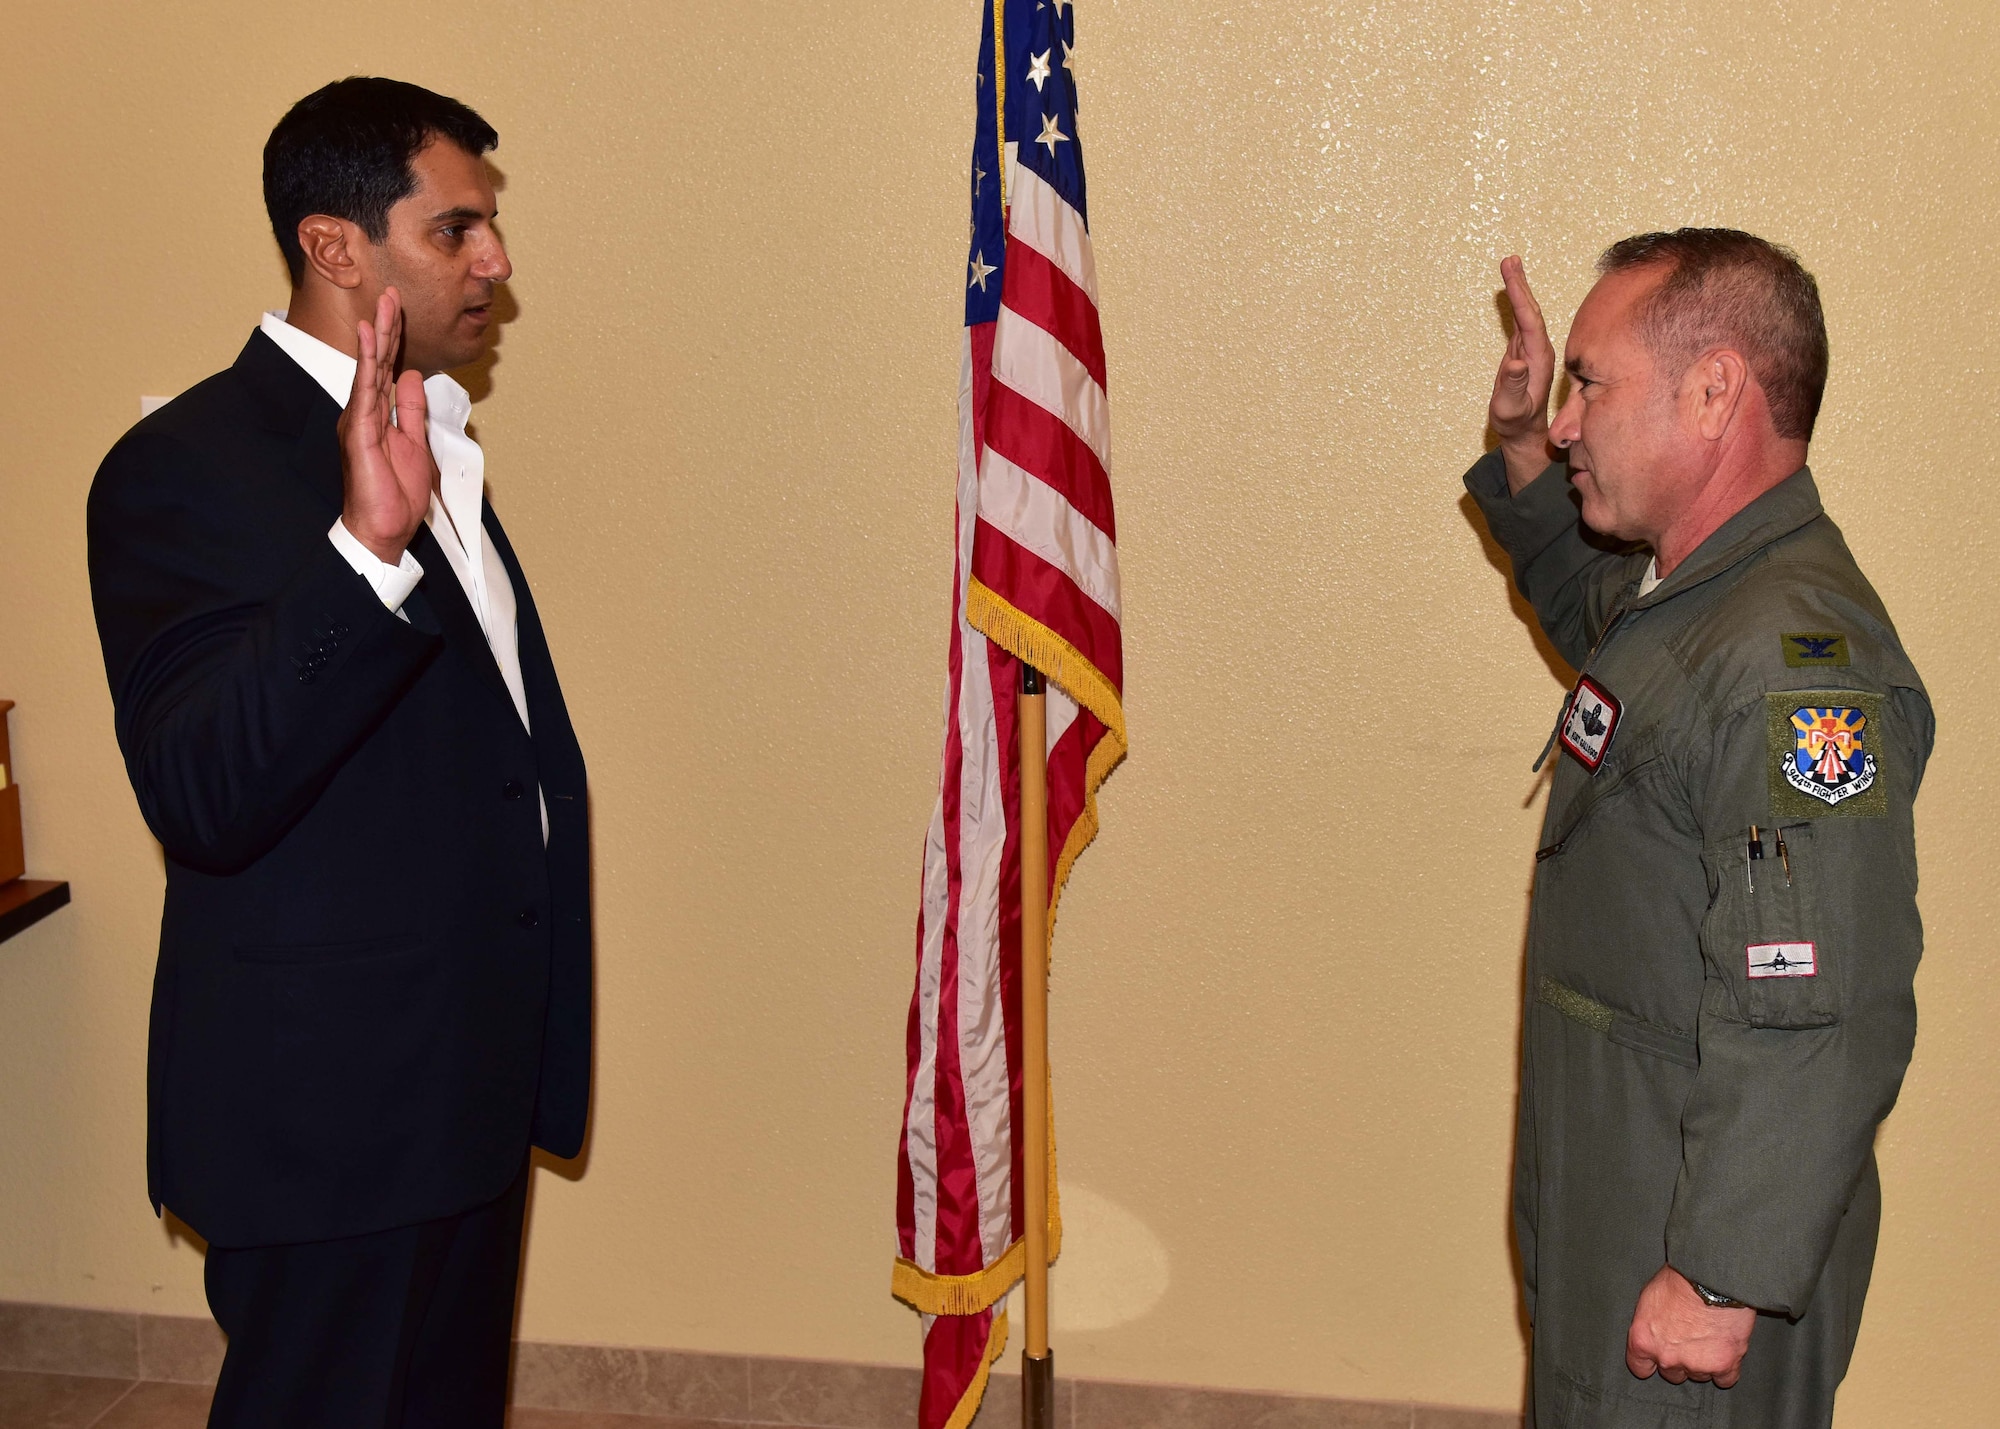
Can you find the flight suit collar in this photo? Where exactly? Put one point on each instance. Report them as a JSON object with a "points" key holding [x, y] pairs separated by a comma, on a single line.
{"points": [[1783, 509]]}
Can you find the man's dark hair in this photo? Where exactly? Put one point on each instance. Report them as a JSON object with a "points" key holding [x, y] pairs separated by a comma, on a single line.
{"points": [[1730, 289], [345, 151]]}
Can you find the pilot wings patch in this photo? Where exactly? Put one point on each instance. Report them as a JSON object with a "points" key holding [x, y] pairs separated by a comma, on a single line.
{"points": [[1589, 723]]}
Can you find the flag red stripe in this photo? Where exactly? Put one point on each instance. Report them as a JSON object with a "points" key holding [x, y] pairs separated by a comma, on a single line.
{"points": [[913, 1046], [1042, 592], [1047, 297], [1037, 440], [954, 1349], [1006, 675], [959, 1247], [1066, 769]]}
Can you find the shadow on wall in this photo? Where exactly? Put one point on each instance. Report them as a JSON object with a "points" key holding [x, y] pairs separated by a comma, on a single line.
{"points": [[1564, 675]]}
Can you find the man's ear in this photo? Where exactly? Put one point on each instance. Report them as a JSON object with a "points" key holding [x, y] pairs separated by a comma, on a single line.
{"points": [[1716, 385], [329, 245]]}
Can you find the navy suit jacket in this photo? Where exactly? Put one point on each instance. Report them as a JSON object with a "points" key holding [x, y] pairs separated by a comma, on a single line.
{"points": [[373, 990]]}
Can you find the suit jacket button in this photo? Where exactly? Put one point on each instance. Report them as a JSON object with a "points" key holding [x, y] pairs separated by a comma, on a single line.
{"points": [[512, 789], [526, 918]]}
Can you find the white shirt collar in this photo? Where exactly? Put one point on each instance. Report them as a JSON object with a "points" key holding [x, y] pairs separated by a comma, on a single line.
{"points": [[450, 404], [326, 365]]}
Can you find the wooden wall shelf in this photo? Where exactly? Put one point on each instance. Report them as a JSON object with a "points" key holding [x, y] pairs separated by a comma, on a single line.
{"points": [[26, 901]]}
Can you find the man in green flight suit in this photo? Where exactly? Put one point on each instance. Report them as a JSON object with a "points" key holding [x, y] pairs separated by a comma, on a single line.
{"points": [[1724, 926]]}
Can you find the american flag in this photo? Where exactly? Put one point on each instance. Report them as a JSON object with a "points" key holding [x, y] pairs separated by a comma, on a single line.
{"points": [[1035, 579]]}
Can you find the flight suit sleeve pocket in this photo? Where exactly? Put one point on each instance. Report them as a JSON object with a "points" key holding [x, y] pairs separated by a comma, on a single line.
{"points": [[1759, 938]]}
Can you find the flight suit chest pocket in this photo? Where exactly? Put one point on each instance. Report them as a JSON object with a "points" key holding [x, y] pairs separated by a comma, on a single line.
{"points": [[1621, 776], [1761, 936]]}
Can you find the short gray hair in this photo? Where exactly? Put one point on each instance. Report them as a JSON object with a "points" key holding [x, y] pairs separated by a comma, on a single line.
{"points": [[1726, 288]]}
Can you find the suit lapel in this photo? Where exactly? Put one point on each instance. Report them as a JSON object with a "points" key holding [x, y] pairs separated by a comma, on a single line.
{"points": [[293, 404], [316, 458], [556, 750], [447, 603]]}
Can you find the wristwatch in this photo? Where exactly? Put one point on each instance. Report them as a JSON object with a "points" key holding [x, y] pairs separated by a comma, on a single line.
{"points": [[1715, 1299]]}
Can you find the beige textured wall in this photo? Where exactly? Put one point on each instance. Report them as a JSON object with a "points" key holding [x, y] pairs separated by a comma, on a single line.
{"points": [[721, 431]]}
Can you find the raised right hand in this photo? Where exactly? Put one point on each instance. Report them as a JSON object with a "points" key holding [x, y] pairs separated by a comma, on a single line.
{"points": [[1519, 413], [387, 473]]}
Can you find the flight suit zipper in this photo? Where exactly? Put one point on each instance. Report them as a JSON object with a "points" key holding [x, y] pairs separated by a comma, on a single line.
{"points": [[1602, 796]]}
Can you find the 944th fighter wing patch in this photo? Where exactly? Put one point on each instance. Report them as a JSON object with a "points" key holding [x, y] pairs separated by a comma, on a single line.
{"points": [[1823, 749]]}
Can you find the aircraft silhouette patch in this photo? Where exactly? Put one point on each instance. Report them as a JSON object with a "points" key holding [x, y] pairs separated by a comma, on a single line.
{"points": [[1809, 649], [1782, 959], [1589, 723]]}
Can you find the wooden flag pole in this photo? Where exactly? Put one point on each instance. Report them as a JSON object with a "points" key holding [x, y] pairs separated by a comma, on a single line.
{"points": [[1038, 1384]]}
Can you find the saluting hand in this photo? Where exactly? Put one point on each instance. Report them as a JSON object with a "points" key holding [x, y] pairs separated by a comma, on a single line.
{"points": [[1519, 413], [387, 472]]}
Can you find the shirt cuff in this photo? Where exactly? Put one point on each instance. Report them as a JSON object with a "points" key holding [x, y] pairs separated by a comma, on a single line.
{"points": [[392, 584]]}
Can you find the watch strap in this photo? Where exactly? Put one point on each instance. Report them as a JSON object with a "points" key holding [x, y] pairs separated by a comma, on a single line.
{"points": [[1715, 1299]]}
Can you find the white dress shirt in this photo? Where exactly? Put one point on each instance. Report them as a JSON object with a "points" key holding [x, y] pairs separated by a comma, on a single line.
{"points": [[454, 514]]}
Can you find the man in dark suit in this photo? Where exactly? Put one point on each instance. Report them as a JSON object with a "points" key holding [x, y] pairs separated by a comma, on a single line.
{"points": [[338, 710]]}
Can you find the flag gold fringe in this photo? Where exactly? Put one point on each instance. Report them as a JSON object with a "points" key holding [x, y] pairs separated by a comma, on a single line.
{"points": [[1025, 637], [1000, 93], [934, 1294], [968, 1404]]}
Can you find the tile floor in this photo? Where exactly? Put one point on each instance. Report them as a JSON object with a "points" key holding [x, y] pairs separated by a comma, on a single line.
{"points": [[67, 1401]]}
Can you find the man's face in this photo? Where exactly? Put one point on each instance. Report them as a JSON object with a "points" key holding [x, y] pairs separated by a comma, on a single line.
{"points": [[1628, 452], [444, 257]]}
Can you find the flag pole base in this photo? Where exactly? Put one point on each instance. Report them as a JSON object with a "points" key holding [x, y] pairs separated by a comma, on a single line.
{"points": [[1038, 1391]]}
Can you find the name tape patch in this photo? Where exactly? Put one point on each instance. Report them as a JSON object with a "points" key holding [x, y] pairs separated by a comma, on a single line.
{"points": [[1589, 723], [1811, 648], [1783, 959]]}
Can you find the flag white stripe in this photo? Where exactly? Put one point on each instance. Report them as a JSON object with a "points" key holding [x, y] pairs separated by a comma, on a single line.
{"points": [[921, 1127], [1032, 362], [1035, 515], [982, 1037], [1044, 220], [982, 836], [1061, 713]]}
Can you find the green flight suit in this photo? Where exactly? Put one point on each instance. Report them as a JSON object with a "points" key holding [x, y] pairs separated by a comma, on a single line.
{"points": [[1710, 1040]]}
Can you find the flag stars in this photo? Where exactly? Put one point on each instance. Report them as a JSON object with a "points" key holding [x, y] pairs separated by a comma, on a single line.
{"points": [[1050, 135], [981, 271], [1069, 57], [1038, 70]]}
